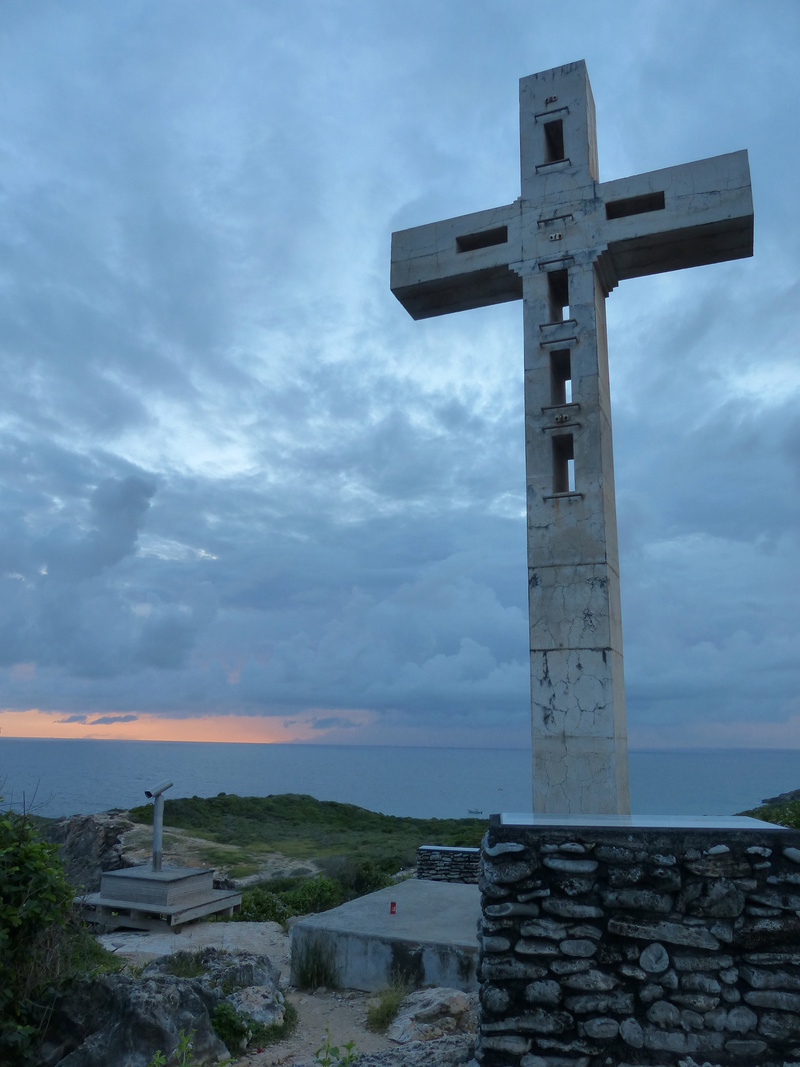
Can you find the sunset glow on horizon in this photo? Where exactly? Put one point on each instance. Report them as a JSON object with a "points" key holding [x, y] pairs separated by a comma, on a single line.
{"points": [[324, 726], [233, 729]]}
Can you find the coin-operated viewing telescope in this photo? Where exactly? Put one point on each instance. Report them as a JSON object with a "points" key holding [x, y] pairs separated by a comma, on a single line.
{"points": [[157, 795]]}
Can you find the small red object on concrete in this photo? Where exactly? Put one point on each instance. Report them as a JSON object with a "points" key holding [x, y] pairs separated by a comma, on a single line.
{"points": [[393, 908]]}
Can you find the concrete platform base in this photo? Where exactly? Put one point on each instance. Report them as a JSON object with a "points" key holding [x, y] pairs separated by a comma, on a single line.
{"points": [[139, 898], [429, 940]]}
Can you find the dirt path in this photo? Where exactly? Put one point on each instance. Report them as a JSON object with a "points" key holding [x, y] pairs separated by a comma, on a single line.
{"points": [[184, 850], [343, 1014]]}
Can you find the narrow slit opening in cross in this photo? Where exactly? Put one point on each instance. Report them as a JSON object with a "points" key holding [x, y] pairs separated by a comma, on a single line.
{"points": [[554, 141], [560, 377], [563, 464], [485, 239], [635, 205], [558, 295]]}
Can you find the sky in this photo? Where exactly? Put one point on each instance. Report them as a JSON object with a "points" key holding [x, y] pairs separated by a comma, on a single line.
{"points": [[244, 496]]}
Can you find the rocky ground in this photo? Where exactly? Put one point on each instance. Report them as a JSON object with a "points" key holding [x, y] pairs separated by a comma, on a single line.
{"points": [[343, 1013], [434, 1029]]}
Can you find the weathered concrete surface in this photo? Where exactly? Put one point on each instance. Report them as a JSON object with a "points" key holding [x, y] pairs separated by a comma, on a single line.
{"points": [[561, 247], [140, 898], [430, 940]]}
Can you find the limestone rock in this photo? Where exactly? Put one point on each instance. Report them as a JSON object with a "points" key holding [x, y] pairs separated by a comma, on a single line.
{"points": [[427, 1014], [262, 1004], [117, 1019], [89, 845], [222, 971]]}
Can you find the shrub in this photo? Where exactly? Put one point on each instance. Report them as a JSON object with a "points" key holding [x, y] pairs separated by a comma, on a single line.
{"points": [[786, 813], [230, 1027], [34, 910], [293, 897], [357, 877]]}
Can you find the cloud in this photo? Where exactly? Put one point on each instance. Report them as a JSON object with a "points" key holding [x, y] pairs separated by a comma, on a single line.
{"points": [[110, 720], [236, 476], [333, 722]]}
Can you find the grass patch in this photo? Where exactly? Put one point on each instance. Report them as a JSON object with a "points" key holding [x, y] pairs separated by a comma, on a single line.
{"points": [[303, 828], [186, 965], [241, 870], [383, 1010]]}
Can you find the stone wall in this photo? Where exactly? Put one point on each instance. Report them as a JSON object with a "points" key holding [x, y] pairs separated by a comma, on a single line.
{"points": [[437, 863], [613, 945]]}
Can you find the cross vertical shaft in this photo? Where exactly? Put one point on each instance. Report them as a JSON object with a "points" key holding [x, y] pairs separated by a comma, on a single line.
{"points": [[580, 747]]}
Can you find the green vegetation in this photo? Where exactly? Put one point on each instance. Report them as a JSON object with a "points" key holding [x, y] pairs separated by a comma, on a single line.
{"points": [[238, 1032], [384, 1008], [280, 898], [270, 1035], [41, 946], [186, 964], [182, 1056], [307, 829], [329, 1055], [277, 901], [786, 814], [232, 1029]]}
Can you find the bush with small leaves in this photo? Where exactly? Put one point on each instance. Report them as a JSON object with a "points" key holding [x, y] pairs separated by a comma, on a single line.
{"points": [[35, 907], [230, 1027], [280, 902]]}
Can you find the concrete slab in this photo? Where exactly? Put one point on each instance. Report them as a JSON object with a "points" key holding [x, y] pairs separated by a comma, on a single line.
{"points": [[430, 939], [638, 822]]}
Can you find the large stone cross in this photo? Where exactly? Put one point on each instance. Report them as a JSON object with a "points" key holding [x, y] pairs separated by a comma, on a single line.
{"points": [[562, 247]]}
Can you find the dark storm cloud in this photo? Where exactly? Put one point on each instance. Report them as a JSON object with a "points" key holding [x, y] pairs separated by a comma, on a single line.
{"points": [[236, 476], [333, 722], [116, 512]]}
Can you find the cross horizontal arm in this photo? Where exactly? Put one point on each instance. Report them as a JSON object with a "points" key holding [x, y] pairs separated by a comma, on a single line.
{"points": [[684, 216], [458, 264]]}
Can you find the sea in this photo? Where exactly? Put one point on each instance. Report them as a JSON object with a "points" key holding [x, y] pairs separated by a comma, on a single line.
{"points": [[71, 776]]}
